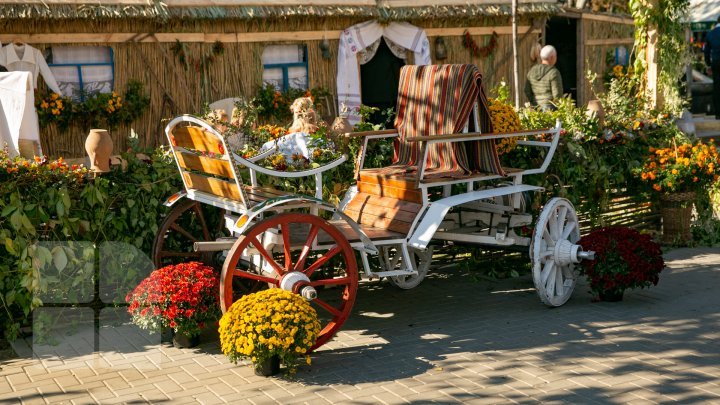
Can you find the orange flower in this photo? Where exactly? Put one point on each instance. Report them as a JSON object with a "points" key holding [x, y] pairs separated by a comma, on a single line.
{"points": [[657, 187]]}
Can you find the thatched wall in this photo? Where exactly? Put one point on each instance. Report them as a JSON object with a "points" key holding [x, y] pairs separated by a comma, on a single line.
{"points": [[237, 72]]}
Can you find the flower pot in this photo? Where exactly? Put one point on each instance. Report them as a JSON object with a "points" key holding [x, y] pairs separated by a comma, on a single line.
{"points": [[268, 367], [99, 147], [611, 296], [28, 148], [676, 211], [182, 341]]}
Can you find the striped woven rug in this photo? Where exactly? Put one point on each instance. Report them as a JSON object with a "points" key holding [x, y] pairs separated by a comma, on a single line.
{"points": [[437, 100]]}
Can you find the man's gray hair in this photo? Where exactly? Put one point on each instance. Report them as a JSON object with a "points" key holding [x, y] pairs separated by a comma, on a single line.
{"points": [[547, 52]]}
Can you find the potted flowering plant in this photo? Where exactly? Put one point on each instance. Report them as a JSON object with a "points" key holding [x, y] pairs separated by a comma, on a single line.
{"points": [[678, 173], [268, 327], [624, 259], [183, 297]]}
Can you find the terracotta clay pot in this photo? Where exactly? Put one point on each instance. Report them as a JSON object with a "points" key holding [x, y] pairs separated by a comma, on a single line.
{"points": [[28, 149], [339, 128], [595, 108], [99, 147]]}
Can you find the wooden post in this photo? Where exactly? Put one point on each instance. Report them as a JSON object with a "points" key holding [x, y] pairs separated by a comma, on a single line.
{"points": [[582, 82], [652, 73], [516, 64]]}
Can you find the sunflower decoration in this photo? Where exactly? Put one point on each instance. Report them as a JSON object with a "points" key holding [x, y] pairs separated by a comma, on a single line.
{"points": [[504, 119]]}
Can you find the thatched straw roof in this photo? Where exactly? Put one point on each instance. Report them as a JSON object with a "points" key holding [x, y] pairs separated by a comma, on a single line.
{"points": [[250, 9]]}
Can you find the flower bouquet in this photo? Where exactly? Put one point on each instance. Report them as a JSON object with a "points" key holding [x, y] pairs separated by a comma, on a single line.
{"points": [[624, 259], [270, 325], [183, 297]]}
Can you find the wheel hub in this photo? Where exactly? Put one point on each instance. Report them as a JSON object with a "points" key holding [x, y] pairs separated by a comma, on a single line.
{"points": [[566, 252], [298, 283]]}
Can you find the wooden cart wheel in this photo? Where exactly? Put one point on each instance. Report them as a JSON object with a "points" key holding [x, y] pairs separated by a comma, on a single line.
{"points": [[333, 273], [188, 222], [421, 262], [557, 230]]}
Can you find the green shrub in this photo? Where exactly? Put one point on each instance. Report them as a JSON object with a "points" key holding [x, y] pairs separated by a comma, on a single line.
{"points": [[53, 217]]}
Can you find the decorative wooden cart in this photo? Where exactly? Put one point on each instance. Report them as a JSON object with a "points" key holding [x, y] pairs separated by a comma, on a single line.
{"points": [[443, 151]]}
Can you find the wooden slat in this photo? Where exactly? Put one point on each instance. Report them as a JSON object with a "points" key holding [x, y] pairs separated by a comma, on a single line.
{"points": [[205, 164], [372, 232], [212, 185], [392, 192], [262, 194], [380, 212], [387, 202], [198, 139], [378, 222], [407, 182]]}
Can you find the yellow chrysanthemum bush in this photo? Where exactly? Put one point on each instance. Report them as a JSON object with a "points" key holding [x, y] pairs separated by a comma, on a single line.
{"points": [[268, 323], [504, 119]]}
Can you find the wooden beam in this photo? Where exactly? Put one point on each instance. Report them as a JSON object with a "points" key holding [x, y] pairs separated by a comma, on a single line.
{"points": [[608, 18], [168, 37], [248, 3], [454, 32], [609, 41], [422, 3], [203, 3]]}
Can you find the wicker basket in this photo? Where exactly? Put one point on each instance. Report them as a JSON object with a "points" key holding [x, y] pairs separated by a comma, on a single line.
{"points": [[676, 210]]}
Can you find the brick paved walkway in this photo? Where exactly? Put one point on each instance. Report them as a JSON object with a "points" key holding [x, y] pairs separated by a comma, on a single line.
{"points": [[451, 340]]}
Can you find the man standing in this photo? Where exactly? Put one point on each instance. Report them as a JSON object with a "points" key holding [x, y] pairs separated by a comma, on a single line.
{"points": [[544, 84], [712, 60]]}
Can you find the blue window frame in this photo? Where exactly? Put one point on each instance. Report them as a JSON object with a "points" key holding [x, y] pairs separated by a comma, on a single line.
{"points": [[287, 67], [79, 67]]}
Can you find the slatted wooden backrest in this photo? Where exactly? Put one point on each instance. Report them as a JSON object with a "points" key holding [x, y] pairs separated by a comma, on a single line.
{"points": [[203, 159]]}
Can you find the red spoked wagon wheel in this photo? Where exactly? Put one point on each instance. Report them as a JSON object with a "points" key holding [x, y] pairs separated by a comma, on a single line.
{"points": [[188, 222], [279, 252]]}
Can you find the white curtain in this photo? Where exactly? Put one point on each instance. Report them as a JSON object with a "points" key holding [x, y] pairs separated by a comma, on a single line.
{"points": [[356, 39], [96, 79], [297, 76]]}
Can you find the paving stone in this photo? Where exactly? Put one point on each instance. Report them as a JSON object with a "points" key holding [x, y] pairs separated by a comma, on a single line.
{"points": [[657, 346]]}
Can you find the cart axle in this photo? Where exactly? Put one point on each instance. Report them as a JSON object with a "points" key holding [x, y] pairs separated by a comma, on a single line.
{"points": [[567, 252], [298, 283]]}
